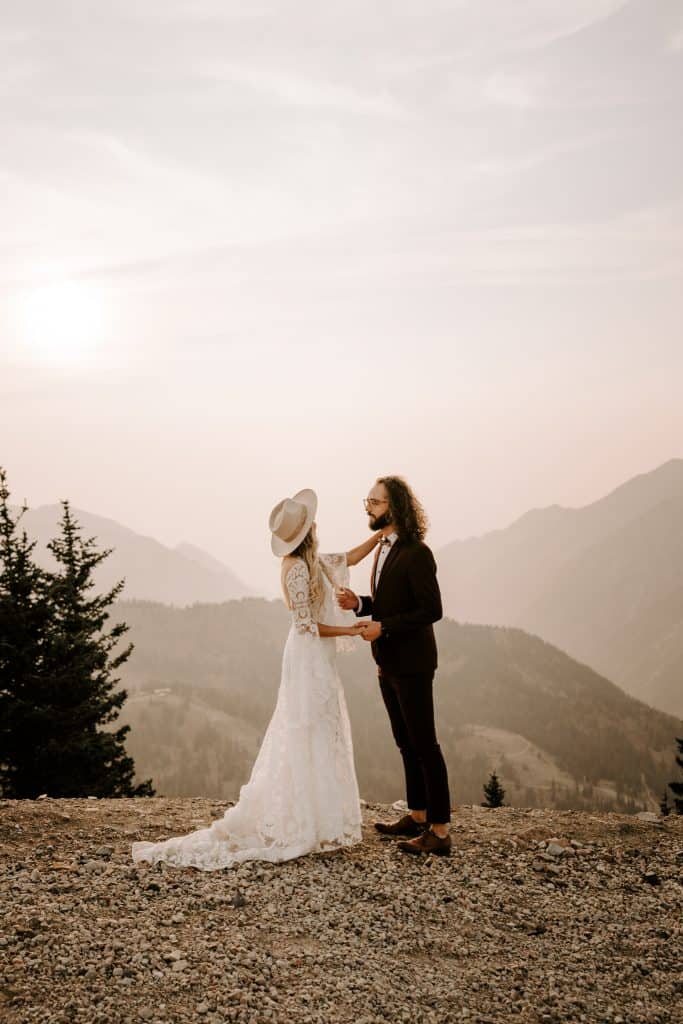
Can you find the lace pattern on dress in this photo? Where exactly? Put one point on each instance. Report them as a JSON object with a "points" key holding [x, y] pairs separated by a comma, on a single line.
{"points": [[336, 571], [297, 583]]}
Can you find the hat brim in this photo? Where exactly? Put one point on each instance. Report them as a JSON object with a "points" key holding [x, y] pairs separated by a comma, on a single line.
{"points": [[308, 498]]}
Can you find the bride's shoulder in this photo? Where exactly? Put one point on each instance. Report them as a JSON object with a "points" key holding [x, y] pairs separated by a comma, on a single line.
{"points": [[290, 564]]}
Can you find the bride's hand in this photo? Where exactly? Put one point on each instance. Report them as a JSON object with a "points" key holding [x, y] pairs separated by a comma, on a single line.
{"points": [[356, 630]]}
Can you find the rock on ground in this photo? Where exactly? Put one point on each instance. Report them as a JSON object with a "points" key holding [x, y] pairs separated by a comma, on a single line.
{"points": [[539, 916]]}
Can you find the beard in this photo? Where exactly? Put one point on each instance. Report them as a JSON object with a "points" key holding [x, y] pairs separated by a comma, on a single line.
{"points": [[379, 522]]}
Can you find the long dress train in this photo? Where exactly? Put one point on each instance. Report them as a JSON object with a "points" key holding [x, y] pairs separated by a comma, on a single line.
{"points": [[302, 796]]}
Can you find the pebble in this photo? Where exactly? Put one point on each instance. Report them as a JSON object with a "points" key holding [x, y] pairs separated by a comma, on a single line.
{"points": [[538, 915]]}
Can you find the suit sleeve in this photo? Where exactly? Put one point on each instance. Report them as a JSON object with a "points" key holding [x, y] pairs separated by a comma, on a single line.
{"points": [[425, 588], [365, 606]]}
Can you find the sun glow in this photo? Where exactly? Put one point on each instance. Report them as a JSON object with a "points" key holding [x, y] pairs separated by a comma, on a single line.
{"points": [[61, 323]]}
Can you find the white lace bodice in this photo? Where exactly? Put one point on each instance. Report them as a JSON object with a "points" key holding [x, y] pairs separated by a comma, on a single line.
{"points": [[297, 583]]}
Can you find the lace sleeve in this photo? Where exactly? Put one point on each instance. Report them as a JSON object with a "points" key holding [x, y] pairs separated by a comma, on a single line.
{"points": [[337, 569], [298, 591]]}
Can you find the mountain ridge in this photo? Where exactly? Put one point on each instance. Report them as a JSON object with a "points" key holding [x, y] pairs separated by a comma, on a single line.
{"points": [[151, 570], [581, 577]]}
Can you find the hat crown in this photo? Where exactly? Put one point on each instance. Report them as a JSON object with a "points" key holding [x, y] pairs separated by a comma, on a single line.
{"points": [[288, 519]]}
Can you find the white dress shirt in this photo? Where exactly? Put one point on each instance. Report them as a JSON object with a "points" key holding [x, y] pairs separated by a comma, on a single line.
{"points": [[385, 547]]}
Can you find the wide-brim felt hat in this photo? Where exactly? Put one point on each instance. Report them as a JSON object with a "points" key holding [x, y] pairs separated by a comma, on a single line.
{"points": [[290, 521]]}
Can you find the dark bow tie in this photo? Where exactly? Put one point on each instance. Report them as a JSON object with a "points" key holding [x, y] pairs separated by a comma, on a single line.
{"points": [[385, 541]]}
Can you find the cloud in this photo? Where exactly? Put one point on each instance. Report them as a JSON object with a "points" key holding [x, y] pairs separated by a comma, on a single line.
{"points": [[502, 166], [223, 135], [298, 91], [536, 23], [512, 89], [676, 41], [202, 10]]}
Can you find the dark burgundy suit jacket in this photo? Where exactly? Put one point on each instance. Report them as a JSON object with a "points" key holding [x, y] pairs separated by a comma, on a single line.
{"points": [[406, 601]]}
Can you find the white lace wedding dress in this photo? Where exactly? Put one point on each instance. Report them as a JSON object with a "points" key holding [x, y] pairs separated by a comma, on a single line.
{"points": [[302, 796]]}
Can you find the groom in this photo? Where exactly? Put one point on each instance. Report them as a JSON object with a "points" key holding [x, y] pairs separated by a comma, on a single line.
{"points": [[405, 602]]}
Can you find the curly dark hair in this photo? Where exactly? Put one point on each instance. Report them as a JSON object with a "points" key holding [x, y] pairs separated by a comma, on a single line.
{"points": [[408, 515]]}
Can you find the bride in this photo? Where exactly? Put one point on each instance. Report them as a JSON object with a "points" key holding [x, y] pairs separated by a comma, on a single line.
{"points": [[302, 796]]}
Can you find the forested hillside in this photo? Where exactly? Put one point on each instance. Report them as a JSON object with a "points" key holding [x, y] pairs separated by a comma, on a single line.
{"points": [[203, 682]]}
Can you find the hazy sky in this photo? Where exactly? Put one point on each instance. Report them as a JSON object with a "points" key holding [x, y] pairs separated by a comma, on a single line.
{"points": [[247, 248]]}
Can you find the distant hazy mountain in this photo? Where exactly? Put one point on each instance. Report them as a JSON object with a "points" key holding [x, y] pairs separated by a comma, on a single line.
{"points": [[151, 570], [602, 582], [203, 681], [652, 649], [201, 557]]}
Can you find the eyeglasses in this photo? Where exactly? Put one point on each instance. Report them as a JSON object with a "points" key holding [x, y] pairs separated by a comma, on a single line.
{"points": [[374, 502]]}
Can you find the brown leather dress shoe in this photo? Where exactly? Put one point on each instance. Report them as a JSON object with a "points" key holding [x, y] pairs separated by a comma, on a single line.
{"points": [[428, 842], [405, 826]]}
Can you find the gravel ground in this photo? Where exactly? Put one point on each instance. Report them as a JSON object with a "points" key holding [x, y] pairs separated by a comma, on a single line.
{"points": [[540, 916]]}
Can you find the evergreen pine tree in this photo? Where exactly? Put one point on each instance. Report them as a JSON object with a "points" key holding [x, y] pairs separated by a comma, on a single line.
{"points": [[677, 787], [24, 625], [57, 687], [494, 792], [79, 757]]}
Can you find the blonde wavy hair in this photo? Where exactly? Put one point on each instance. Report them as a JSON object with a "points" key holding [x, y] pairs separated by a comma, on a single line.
{"points": [[307, 551]]}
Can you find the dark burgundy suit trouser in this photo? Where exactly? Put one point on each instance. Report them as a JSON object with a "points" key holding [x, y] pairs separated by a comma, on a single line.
{"points": [[410, 705]]}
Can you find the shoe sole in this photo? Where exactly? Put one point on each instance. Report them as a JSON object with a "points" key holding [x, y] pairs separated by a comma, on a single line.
{"points": [[398, 835], [425, 853]]}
